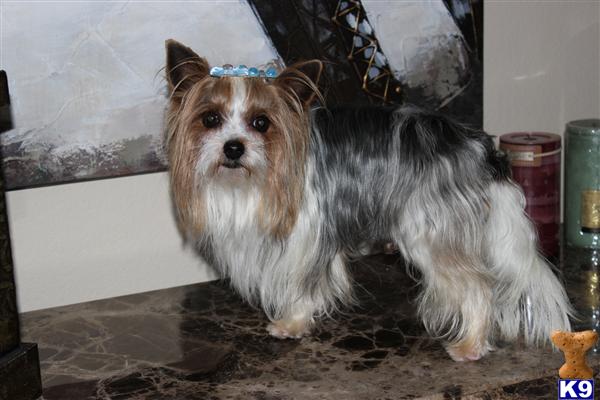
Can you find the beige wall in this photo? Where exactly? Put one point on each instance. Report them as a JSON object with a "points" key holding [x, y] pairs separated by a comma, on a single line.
{"points": [[105, 238], [91, 240], [541, 64]]}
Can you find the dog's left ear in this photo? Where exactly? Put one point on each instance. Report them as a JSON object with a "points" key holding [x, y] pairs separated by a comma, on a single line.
{"points": [[184, 67], [302, 79]]}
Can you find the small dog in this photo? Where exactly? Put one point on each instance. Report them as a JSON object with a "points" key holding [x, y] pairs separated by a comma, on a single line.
{"points": [[278, 196]]}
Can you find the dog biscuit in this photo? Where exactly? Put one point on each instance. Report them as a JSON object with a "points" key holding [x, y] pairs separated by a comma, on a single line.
{"points": [[574, 345]]}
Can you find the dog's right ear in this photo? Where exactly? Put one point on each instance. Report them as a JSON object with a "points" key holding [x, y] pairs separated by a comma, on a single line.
{"points": [[302, 79], [184, 67]]}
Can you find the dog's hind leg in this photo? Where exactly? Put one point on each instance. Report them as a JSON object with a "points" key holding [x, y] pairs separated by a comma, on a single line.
{"points": [[443, 241], [456, 299], [528, 297]]}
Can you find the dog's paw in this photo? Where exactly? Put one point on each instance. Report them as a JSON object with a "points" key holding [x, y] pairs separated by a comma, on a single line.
{"points": [[468, 351], [289, 329]]}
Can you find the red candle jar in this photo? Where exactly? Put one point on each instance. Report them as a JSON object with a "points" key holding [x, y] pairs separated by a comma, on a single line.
{"points": [[535, 163]]}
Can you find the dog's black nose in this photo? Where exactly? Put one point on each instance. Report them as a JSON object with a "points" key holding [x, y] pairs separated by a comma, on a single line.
{"points": [[233, 149]]}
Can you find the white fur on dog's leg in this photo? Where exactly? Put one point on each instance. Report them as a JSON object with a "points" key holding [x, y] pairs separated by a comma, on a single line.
{"points": [[461, 352], [522, 276], [299, 318], [289, 328]]}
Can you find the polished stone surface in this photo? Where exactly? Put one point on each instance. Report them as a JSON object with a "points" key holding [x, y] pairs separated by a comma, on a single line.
{"points": [[19, 364], [20, 373], [9, 318], [535, 389], [202, 342]]}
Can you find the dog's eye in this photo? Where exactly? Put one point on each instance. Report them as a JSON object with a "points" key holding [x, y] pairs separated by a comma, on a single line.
{"points": [[261, 123], [211, 119]]}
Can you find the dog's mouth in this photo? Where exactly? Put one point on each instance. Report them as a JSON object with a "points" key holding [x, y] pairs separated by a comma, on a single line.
{"points": [[232, 168], [232, 164]]}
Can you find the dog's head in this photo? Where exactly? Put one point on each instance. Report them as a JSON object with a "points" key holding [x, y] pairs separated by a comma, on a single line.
{"points": [[238, 132]]}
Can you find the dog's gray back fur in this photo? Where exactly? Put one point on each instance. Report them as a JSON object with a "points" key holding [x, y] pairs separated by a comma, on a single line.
{"points": [[371, 160]]}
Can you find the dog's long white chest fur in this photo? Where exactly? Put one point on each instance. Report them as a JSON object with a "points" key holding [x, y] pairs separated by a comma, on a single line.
{"points": [[277, 196], [269, 272]]}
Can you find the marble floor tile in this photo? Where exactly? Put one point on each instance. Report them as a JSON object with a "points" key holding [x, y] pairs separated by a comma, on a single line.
{"points": [[202, 342]]}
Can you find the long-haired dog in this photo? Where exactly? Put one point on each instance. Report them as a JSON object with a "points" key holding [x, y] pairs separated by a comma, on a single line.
{"points": [[277, 196]]}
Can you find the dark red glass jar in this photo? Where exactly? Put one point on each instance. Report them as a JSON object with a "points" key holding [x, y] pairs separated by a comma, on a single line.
{"points": [[535, 163]]}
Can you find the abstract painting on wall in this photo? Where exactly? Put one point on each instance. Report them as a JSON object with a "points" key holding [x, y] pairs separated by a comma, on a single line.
{"points": [[88, 94]]}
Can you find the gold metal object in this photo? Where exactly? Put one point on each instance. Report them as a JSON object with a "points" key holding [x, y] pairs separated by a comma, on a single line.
{"points": [[385, 74], [590, 211]]}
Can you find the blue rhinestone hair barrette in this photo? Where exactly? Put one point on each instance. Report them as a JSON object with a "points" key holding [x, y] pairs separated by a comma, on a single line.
{"points": [[243, 71]]}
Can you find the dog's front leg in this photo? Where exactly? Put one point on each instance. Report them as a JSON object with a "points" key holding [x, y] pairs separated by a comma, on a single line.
{"points": [[319, 290], [294, 326]]}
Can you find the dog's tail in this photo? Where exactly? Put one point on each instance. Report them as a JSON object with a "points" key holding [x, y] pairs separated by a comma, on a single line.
{"points": [[528, 296]]}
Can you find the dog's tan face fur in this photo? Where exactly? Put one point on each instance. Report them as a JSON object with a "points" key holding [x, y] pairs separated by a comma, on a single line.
{"points": [[267, 116]]}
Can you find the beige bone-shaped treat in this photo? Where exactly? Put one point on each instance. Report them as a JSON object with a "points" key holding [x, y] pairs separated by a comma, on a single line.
{"points": [[574, 345]]}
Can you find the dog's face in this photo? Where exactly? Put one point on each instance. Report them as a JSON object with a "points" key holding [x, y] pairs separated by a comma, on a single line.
{"points": [[236, 132]]}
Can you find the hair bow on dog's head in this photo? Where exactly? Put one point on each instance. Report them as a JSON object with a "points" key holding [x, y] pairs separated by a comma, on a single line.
{"points": [[243, 71]]}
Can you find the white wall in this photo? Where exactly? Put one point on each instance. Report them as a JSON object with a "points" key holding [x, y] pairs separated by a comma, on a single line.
{"points": [[85, 241], [99, 239], [541, 64]]}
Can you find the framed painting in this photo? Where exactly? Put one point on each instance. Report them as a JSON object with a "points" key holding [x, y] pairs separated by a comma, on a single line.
{"points": [[88, 93]]}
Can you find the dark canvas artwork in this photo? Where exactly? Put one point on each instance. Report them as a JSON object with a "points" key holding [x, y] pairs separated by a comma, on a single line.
{"points": [[437, 69], [93, 107]]}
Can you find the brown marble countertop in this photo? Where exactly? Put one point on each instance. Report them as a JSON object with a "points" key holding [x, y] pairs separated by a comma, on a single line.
{"points": [[202, 342]]}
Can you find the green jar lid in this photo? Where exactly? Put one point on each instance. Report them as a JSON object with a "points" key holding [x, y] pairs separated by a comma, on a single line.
{"points": [[584, 127]]}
